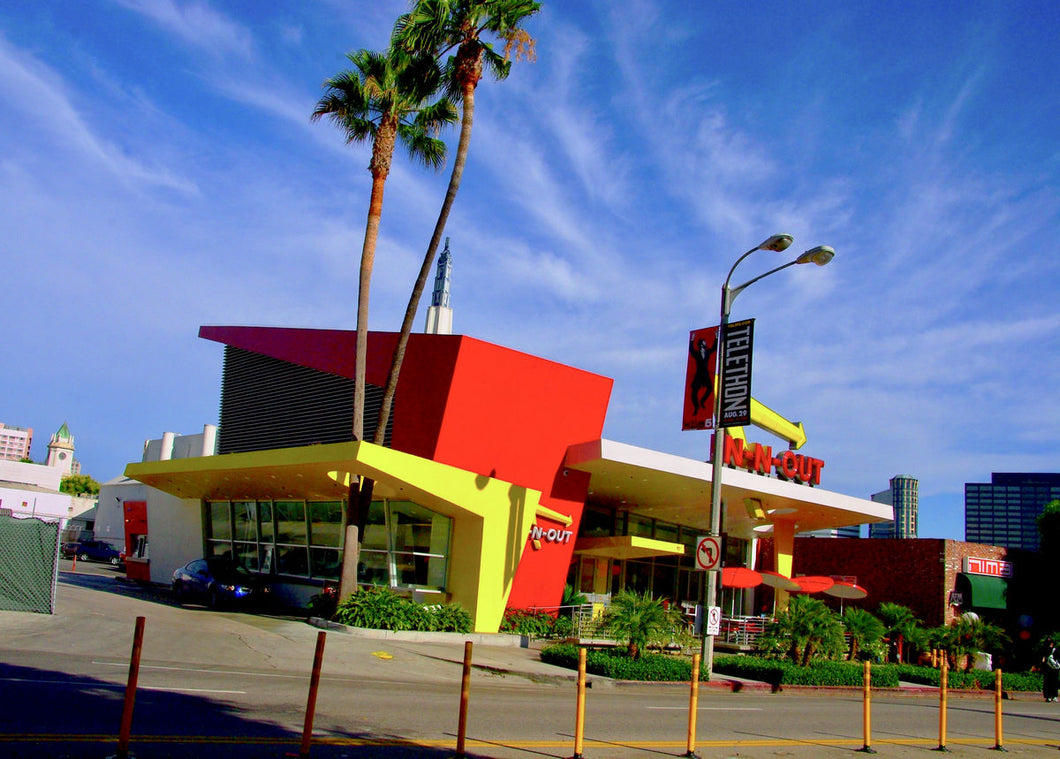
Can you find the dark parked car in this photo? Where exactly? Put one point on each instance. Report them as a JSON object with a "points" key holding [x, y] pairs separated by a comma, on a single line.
{"points": [[217, 581], [92, 550]]}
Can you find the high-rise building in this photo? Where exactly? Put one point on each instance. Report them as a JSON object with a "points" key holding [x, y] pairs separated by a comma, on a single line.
{"points": [[903, 496], [440, 314], [1004, 512], [15, 442]]}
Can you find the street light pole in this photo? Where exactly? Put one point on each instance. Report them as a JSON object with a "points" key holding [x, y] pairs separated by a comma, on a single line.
{"points": [[820, 255]]}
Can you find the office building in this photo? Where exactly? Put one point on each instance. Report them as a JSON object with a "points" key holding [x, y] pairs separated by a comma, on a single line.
{"points": [[903, 497], [1004, 512]]}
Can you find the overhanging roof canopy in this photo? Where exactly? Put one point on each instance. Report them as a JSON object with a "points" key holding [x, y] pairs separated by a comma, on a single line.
{"points": [[627, 547], [985, 592], [677, 489]]}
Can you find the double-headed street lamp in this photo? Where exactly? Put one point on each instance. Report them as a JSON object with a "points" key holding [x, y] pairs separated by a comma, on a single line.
{"points": [[820, 255]]}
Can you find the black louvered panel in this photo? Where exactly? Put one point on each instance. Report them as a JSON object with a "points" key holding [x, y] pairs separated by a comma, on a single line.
{"points": [[267, 403]]}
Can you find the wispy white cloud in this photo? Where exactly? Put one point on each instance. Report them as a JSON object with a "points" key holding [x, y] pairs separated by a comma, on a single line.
{"points": [[197, 25]]}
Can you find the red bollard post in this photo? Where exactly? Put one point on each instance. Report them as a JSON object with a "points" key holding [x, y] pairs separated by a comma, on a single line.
{"points": [[130, 690], [465, 696], [311, 703]]}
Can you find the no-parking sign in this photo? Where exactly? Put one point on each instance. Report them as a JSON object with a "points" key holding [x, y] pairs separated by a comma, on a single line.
{"points": [[708, 552]]}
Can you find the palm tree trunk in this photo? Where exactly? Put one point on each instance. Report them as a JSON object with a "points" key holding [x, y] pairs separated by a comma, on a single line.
{"points": [[466, 123], [354, 517], [367, 485]]}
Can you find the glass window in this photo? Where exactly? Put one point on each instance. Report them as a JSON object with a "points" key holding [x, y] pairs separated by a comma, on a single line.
{"points": [[293, 560], [373, 568], [220, 548], [325, 563], [245, 522], [597, 522], [410, 526], [246, 556], [666, 531], [638, 525], [375, 531], [325, 523], [265, 528], [290, 522], [219, 523]]}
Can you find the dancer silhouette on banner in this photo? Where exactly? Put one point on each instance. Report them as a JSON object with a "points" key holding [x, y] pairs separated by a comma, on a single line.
{"points": [[702, 385]]}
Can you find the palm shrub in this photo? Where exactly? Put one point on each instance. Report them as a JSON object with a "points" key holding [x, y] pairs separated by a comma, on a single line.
{"points": [[900, 623], [639, 619], [864, 630], [807, 628]]}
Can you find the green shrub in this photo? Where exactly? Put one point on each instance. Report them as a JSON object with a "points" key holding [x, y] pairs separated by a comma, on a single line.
{"points": [[820, 673], [450, 618], [383, 609], [563, 627], [977, 679], [615, 663]]}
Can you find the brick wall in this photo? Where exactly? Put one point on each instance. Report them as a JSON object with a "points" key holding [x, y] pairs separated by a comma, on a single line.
{"points": [[916, 573]]}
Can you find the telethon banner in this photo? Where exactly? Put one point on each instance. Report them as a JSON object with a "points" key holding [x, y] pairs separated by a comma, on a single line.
{"points": [[699, 379], [736, 374]]}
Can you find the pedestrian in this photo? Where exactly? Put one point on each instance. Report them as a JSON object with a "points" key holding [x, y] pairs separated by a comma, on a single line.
{"points": [[1050, 670]]}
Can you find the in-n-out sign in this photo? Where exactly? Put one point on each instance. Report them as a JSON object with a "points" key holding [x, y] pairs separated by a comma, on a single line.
{"points": [[755, 457], [551, 535]]}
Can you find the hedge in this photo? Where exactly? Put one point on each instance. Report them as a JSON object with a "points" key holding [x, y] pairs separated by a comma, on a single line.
{"points": [[821, 673], [614, 663], [980, 679]]}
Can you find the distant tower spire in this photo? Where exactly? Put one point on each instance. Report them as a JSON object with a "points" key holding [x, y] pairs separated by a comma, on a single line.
{"points": [[440, 315]]}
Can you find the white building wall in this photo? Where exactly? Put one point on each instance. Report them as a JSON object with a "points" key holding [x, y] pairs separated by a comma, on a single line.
{"points": [[38, 503], [174, 525], [17, 472]]}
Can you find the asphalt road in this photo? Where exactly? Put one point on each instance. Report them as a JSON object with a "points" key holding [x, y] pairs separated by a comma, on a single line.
{"points": [[229, 684]]}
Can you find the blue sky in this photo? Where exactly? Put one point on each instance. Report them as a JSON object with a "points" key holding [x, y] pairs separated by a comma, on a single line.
{"points": [[159, 171]]}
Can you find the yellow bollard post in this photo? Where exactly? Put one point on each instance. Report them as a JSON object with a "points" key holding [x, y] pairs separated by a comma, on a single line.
{"points": [[465, 695], [579, 717], [943, 690], [999, 743], [311, 700], [693, 707], [130, 690], [866, 708]]}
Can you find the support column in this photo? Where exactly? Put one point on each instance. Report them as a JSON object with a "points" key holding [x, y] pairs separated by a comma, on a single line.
{"points": [[783, 553]]}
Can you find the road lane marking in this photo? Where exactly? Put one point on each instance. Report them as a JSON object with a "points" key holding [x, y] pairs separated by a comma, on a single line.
{"points": [[708, 708], [103, 684]]}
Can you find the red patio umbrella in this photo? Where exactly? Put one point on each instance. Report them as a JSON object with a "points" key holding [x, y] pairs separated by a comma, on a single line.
{"points": [[814, 583], [740, 577]]}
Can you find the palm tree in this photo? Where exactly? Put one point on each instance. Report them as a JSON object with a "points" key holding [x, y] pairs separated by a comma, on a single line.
{"points": [[863, 628], [900, 623], [436, 27], [639, 619], [382, 99]]}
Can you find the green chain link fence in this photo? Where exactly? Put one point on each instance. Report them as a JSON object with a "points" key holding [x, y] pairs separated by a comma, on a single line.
{"points": [[29, 564]]}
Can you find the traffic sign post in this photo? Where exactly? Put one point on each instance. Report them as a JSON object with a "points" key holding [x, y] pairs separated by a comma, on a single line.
{"points": [[708, 552]]}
